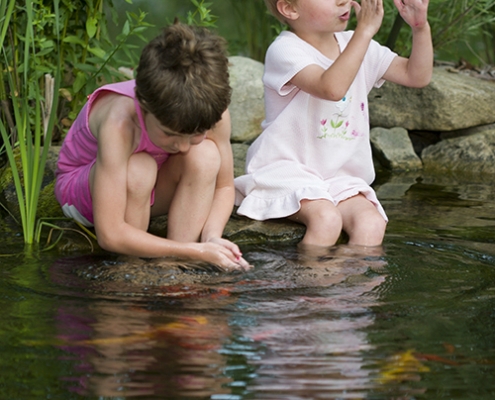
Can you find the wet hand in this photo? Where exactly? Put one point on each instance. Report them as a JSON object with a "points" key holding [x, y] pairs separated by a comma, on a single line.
{"points": [[413, 12], [225, 254], [369, 15]]}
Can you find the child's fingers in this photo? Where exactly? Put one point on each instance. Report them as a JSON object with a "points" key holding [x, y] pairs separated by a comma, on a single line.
{"points": [[233, 253], [356, 6]]}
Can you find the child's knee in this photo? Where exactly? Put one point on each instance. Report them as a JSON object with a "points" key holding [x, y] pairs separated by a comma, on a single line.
{"points": [[369, 231], [204, 159], [322, 214], [141, 173]]}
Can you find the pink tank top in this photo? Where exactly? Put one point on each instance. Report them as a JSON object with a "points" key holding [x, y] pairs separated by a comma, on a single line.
{"points": [[80, 145], [78, 154]]}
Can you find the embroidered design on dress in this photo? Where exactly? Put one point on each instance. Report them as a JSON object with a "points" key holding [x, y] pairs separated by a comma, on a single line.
{"points": [[337, 127]]}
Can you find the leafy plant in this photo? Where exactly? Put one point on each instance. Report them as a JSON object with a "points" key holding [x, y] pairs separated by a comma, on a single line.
{"points": [[256, 27], [201, 15], [30, 137]]}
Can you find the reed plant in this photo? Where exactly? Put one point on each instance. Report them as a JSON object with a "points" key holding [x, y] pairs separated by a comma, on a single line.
{"points": [[31, 115], [35, 36]]}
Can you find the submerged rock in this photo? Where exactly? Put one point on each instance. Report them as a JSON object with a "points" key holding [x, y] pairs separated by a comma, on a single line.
{"points": [[473, 154], [172, 279]]}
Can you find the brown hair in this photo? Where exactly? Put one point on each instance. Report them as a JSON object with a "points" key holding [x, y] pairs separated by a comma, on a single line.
{"points": [[272, 7], [183, 78]]}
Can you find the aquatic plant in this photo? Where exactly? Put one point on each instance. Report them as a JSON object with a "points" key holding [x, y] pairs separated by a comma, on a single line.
{"points": [[27, 139], [35, 36]]}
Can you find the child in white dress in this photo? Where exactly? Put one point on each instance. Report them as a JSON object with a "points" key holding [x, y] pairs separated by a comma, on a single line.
{"points": [[313, 162]]}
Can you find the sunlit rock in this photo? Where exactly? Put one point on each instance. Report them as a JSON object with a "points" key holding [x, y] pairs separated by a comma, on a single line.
{"points": [[451, 101]]}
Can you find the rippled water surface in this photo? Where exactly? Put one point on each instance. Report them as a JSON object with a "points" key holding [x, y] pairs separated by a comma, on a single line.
{"points": [[415, 321]]}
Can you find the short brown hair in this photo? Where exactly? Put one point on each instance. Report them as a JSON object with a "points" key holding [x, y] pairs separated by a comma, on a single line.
{"points": [[183, 78], [272, 7]]}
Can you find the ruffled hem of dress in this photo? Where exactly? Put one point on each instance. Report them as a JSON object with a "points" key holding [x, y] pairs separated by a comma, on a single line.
{"points": [[261, 209], [279, 207]]}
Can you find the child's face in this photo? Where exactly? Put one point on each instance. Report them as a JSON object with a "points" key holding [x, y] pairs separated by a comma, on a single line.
{"points": [[322, 16], [168, 140]]}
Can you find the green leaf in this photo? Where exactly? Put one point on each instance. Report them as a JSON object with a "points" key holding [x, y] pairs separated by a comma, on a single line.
{"points": [[75, 40], [91, 26], [79, 82], [86, 67], [97, 52], [126, 29]]}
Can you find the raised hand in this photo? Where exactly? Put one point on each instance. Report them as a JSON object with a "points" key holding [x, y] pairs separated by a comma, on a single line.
{"points": [[369, 14], [413, 12]]}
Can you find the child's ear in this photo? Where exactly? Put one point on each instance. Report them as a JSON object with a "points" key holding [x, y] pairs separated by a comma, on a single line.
{"points": [[287, 10]]}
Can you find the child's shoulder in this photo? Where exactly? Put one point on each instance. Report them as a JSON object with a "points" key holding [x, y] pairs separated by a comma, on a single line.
{"points": [[112, 107], [111, 103]]}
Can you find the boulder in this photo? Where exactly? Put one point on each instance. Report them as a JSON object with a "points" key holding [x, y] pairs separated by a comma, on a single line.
{"points": [[470, 155], [451, 101], [247, 108], [394, 150]]}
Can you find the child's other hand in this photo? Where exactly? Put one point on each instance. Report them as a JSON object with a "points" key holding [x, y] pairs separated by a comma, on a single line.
{"points": [[414, 12], [369, 15], [225, 254]]}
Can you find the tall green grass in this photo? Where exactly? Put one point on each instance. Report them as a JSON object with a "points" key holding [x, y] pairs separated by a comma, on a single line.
{"points": [[27, 137]]}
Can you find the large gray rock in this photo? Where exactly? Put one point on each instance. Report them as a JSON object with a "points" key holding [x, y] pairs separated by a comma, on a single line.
{"points": [[394, 150], [247, 107], [472, 155], [451, 101]]}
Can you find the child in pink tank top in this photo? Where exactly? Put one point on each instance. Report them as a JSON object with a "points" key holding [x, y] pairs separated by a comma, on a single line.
{"points": [[159, 144]]}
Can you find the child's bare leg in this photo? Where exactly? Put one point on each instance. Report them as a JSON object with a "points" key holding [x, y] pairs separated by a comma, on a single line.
{"points": [[141, 178], [323, 223], [362, 221], [185, 189]]}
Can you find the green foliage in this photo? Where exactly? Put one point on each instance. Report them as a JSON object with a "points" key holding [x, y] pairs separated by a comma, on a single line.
{"points": [[201, 16], [33, 114], [88, 53], [256, 27], [459, 21]]}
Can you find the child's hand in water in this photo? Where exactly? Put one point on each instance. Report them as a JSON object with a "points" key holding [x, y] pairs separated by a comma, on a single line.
{"points": [[414, 12], [369, 15], [224, 254]]}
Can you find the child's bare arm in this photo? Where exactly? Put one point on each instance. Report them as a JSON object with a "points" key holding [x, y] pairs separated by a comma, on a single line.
{"points": [[416, 70], [334, 82], [223, 200]]}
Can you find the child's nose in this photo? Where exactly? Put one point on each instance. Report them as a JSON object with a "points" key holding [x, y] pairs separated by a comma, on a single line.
{"points": [[184, 144]]}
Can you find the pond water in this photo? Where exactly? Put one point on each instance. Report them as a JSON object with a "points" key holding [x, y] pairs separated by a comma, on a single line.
{"points": [[414, 321]]}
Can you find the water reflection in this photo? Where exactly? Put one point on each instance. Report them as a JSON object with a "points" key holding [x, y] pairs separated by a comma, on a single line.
{"points": [[310, 339], [313, 340], [130, 351]]}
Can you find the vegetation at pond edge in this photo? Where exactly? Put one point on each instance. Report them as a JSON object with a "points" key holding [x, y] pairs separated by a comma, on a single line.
{"points": [[55, 52]]}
